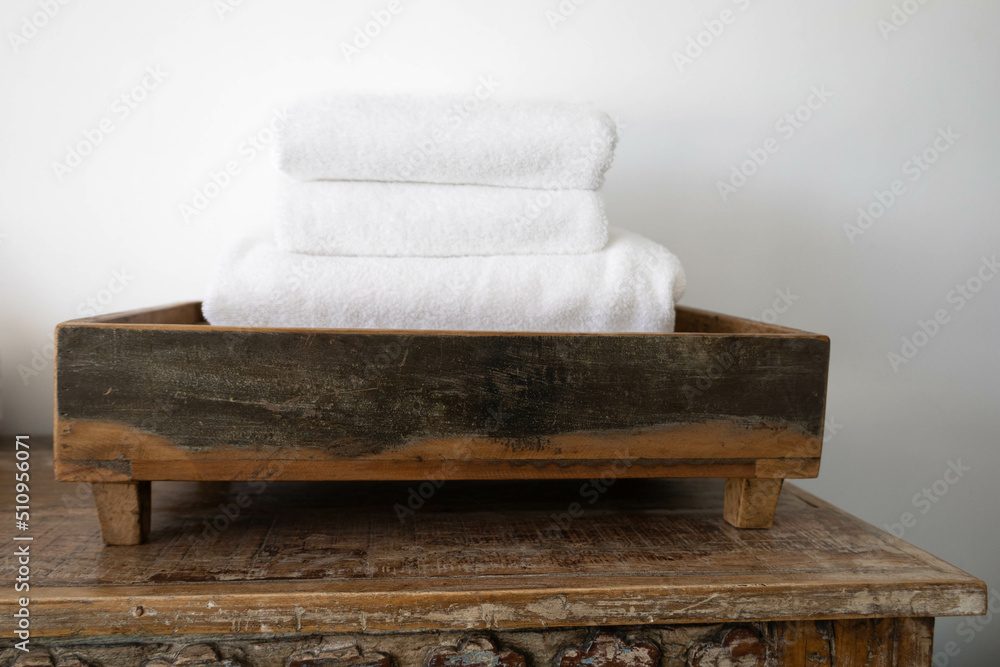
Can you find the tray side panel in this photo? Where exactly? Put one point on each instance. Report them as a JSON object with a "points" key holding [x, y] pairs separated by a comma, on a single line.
{"points": [[358, 395]]}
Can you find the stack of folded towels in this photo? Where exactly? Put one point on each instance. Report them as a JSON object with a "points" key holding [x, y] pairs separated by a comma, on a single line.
{"points": [[404, 212]]}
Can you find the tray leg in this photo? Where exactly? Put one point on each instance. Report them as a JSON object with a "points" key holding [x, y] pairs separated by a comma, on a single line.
{"points": [[123, 509], [751, 502]]}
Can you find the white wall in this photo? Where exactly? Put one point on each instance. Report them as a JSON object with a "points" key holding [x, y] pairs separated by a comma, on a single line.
{"points": [[896, 430]]}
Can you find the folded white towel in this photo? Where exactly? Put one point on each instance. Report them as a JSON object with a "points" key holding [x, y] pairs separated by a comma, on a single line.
{"points": [[446, 139], [629, 286], [419, 219]]}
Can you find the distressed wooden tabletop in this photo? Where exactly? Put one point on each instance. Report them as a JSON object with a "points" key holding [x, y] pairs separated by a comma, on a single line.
{"points": [[357, 556]]}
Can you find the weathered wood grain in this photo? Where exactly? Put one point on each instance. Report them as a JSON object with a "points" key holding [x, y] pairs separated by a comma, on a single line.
{"points": [[688, 320], [695, 320], [319, 557], [609, 650], [124, 511], [913, 641], [366, 393], [902, 642], [737, 646], [750, 503], [884, 642], [156, 394], [186, 313], [881, 642], [295, 470], [81, 440], [478, 651], [343, 656], [802, 644], [195, 655]]}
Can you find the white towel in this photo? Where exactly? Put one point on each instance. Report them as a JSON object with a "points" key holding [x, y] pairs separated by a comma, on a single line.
{"points": [[419, 219], [446, 139], [629, 286]]}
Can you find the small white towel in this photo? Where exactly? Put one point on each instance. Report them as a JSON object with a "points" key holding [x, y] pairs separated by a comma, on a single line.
{"points": [[629, 286], [446, 139], [420, 219]]}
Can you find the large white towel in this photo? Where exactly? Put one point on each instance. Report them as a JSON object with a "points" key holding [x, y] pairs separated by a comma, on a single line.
{"points": [[629, 286], [446, 139], [421, 219]]}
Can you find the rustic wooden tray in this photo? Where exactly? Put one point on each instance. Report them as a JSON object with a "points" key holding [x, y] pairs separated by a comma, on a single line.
{"points": [[158, 394]]}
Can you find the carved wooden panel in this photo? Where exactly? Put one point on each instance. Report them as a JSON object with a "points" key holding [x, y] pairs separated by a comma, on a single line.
{"points": [[72, 661], [346, 656], [738, 647], [474, 652], [195, 655], [608, 650], [39, 657], [900, 642], [34, 658]]}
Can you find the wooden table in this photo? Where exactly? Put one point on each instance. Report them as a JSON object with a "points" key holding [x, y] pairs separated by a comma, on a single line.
{"points": [[620, 573]]}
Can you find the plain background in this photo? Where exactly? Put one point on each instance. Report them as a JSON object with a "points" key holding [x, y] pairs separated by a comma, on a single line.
{"points": [[891, 432]]}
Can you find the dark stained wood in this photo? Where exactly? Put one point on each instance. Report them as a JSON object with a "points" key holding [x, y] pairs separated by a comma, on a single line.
{"points": [[694, 320], [299, 558], [353, 393], [185, 313], [688, 320], [609, 650]]}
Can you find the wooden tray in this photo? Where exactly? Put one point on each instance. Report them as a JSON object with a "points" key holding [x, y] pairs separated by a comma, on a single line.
{"points": [[158, 394]]}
